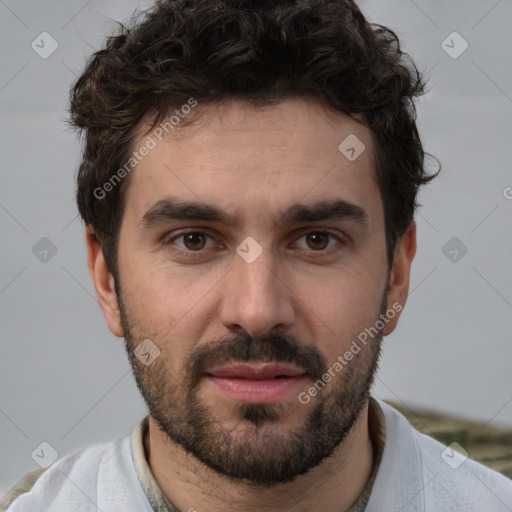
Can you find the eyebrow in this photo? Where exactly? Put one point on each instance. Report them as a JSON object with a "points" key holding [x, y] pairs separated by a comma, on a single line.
{"points": [[173, 209]]}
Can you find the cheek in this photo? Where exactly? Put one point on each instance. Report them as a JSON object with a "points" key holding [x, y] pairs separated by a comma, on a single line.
{"points": [[169, 304], [345, 307]]}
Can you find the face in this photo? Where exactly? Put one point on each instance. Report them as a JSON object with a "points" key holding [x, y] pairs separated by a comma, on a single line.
{"points": [[252, 255]]}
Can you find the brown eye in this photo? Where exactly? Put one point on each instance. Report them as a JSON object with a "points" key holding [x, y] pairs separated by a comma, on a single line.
{"points": [[194, 240], [323, 242], [317, 240], [191, 244]]}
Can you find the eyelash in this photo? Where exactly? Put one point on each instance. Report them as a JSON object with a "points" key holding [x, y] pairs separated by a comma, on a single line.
{"points": [[169, 242]]}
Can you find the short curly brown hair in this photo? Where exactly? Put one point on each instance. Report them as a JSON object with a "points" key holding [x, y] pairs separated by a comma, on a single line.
{"points": [[259, 51]]}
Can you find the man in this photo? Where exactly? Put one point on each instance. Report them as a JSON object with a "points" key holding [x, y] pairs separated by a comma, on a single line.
{"points": [[248, 186]]}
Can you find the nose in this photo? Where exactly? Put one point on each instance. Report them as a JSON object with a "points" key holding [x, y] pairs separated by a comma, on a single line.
{"points": [[256, 297]]}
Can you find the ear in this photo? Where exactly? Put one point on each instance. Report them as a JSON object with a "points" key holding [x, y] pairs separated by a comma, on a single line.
{"points": [[398, 290], [103, 283]]}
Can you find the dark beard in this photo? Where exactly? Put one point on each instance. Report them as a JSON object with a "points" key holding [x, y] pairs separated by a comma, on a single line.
{"points": [[260, 452]]}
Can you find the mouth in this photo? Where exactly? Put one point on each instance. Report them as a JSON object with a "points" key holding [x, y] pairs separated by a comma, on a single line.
{"points": [[257, 382]]}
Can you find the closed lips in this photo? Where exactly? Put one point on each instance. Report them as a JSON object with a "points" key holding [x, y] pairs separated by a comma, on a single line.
{"points": [[261, 371]]}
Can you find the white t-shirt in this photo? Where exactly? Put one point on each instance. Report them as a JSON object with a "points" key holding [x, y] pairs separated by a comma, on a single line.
{"points": [[416, 474]]}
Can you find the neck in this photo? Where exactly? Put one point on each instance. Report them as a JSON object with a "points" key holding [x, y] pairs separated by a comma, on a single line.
{"points": [[333, 485]]}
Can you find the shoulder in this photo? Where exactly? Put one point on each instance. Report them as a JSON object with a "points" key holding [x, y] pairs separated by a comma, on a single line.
{"points": [[433, 477], [88, 479], [448, 471], [22, 486]]}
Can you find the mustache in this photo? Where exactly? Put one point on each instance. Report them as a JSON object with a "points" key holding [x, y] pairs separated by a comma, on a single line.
{"points": [[273, 347]]}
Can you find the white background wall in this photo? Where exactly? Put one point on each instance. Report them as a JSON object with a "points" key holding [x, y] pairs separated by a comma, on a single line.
{"points": [[65, 379]]}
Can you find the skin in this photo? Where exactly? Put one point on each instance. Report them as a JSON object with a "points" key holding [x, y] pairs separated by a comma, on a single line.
{"points": [[252, 164]]}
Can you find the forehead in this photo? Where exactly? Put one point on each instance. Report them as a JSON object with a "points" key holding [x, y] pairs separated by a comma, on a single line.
{"points": [[248, 161]]}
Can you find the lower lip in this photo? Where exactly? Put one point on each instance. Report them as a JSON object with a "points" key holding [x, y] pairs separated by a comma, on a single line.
{"points": [[257, 391]]}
